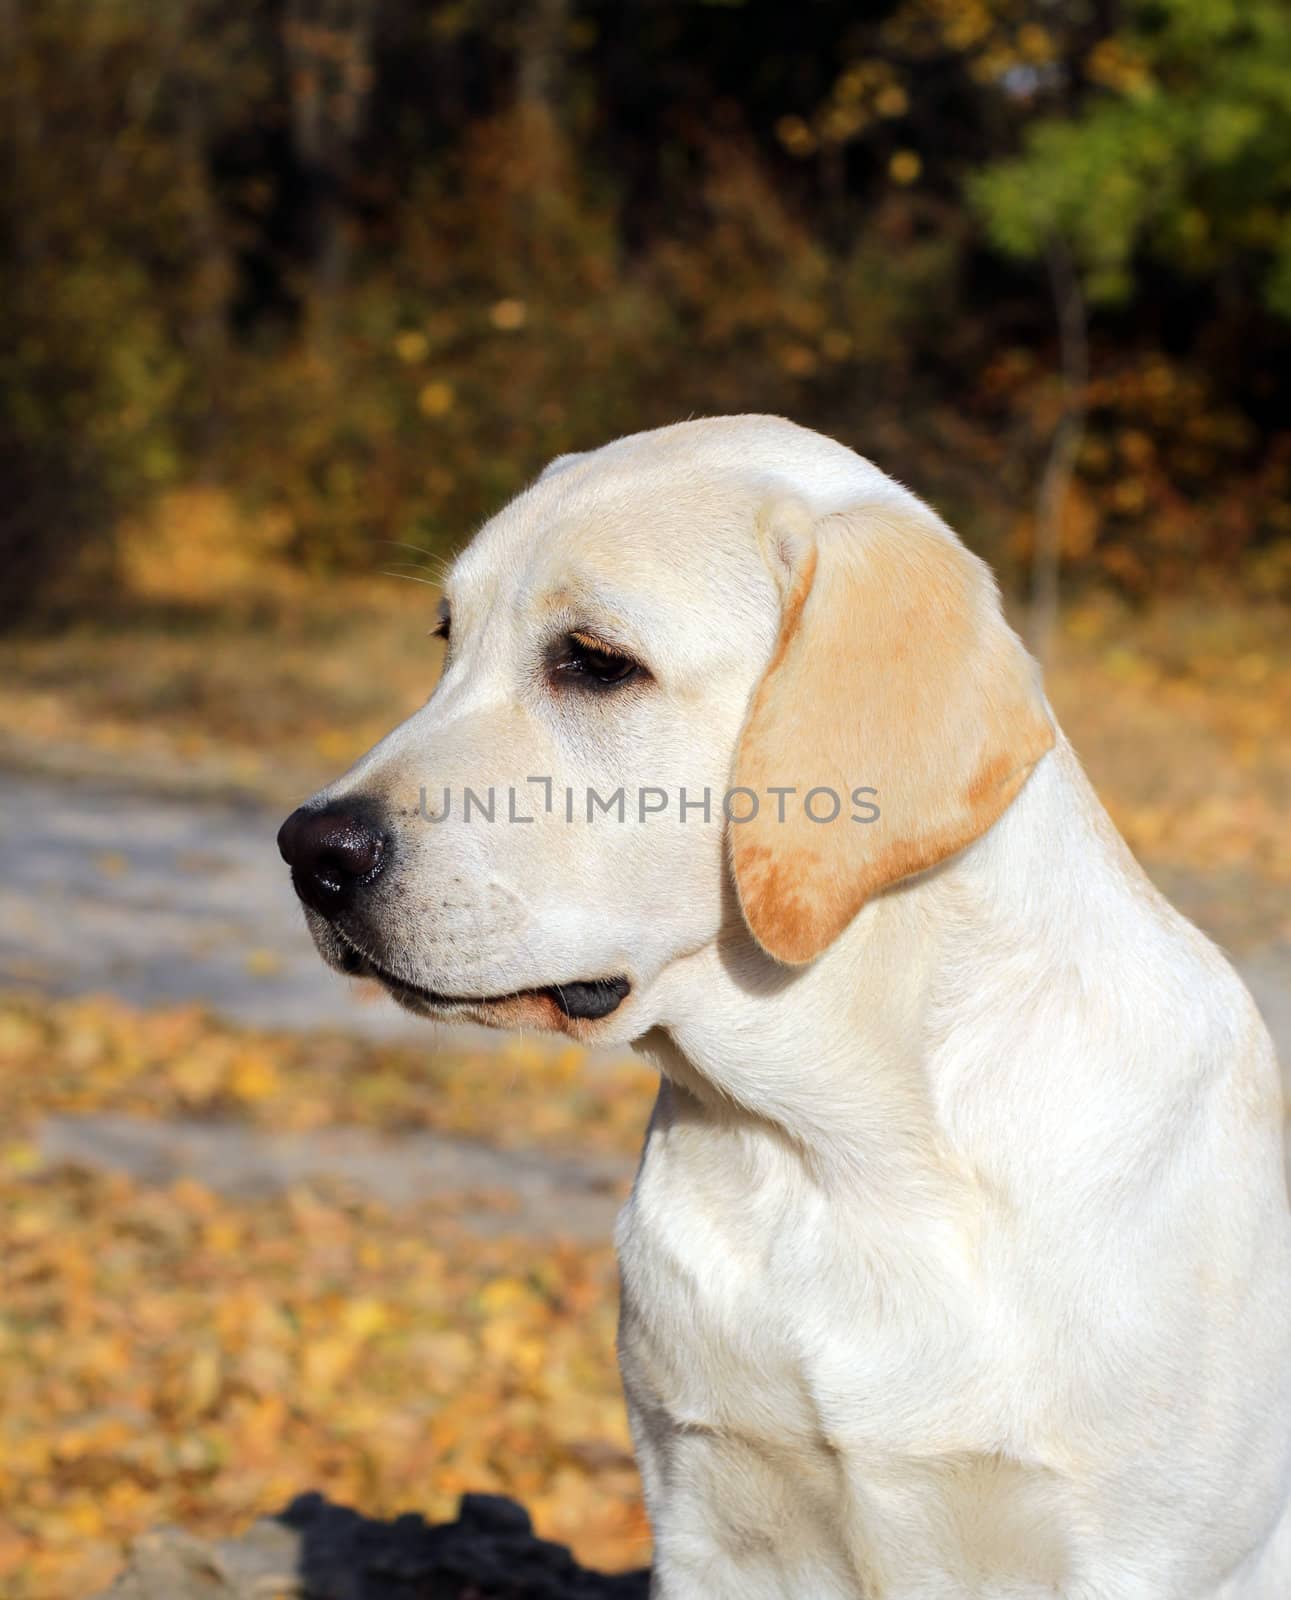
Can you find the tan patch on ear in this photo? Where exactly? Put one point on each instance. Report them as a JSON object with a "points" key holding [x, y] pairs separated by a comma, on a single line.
{"points": [[988, 795], [988, 781], [772, 894], [893, 668]]}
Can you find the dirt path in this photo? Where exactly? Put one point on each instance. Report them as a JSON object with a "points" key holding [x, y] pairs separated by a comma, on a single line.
{"points": [[160, 900], [494, 1191]]}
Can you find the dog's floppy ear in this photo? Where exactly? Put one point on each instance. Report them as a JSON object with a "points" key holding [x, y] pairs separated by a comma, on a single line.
{"points": [[894, 670]]}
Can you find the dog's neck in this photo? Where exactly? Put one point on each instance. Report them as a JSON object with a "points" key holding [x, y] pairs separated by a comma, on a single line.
{"points": [[854, 1061]]}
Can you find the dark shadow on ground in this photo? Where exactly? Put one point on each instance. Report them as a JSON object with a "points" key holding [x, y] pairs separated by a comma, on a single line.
{"points": [[315, 1550]]}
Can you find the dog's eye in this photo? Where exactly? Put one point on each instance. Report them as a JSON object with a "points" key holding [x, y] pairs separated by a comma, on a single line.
{"points": [[441, 628], [586, 660]]}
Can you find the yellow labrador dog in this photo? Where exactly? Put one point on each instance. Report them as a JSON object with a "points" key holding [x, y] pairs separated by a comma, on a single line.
{"points": [[958, 1261]]}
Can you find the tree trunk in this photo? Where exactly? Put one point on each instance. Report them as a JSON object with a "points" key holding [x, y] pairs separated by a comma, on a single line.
{"points": [[1055, 484], [328, 46]]}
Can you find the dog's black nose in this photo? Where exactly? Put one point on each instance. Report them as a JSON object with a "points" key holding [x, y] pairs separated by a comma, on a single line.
{"points": [[331, 853]]}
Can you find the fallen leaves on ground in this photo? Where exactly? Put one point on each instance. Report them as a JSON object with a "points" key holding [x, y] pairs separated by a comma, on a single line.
{"points": [[1181, 716], [168, 1355], [97, 1054]]}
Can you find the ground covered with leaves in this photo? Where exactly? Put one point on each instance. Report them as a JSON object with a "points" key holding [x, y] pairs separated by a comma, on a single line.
{"points": [[169, 1355]]}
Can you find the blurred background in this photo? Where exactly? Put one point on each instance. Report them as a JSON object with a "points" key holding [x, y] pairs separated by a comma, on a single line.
{"points": [[293, 293]]}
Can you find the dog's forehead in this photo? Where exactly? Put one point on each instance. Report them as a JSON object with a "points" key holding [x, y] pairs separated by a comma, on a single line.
{"points": [[661, 529], [670, 507], [621, 529]]}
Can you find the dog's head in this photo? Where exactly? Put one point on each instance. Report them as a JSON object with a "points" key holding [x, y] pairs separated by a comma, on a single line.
{"points": [[726, 652]]}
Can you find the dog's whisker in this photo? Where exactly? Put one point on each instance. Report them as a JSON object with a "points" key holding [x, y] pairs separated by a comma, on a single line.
{"points": [[411, 577]]}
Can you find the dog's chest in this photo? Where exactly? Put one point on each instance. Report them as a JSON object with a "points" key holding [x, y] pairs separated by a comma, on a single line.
{"points": [[754, 1305], [786, 1371]]}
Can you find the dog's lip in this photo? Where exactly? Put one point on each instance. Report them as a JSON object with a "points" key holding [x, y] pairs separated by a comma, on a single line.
{"points": [[590, 999]]}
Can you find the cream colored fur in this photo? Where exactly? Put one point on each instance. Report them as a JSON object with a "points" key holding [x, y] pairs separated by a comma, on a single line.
{"points": [[958, 1261]]}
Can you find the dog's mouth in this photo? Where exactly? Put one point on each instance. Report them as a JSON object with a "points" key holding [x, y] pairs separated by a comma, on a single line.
{"points": [[587, 1001]]}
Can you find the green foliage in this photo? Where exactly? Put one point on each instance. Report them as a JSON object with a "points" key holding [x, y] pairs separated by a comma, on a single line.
{"points": [[1180, 151]]}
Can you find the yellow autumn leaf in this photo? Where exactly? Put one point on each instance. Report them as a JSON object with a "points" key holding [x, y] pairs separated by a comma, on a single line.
{"points": [[508, 315], [904, 167], [363, 1317], [411, 346], [437, 398], [325, 1361]]}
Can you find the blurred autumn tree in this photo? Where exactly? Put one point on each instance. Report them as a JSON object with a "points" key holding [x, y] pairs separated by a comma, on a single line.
{"points": [[1166, 179], [365, 264]]}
